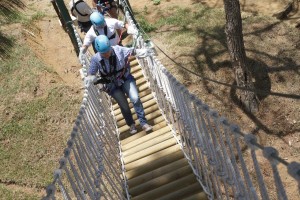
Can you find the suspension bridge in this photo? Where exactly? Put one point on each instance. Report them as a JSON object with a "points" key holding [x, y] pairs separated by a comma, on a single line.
{"points": [[192, 152]]}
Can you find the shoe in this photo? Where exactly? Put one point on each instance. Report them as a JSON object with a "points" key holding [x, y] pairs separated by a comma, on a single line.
{"points": [[147, 127], [132, 129]]}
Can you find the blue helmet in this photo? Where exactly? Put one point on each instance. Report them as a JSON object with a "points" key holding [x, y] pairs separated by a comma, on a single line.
{"points": [[97, 19], [102, 44]]}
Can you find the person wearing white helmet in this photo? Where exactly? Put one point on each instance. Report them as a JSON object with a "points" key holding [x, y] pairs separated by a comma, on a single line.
{"points": [[111, 64], [110, 27], [82, 11]]}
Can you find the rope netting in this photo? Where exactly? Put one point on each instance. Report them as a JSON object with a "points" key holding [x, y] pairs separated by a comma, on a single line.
{"points": [[92, 165]]}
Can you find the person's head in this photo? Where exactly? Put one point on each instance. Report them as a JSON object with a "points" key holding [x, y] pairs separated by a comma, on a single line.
{"points": [[102, 45], [97, 20]]}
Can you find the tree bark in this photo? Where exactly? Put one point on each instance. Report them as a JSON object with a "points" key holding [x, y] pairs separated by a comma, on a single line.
{"points": [[235, 43]]}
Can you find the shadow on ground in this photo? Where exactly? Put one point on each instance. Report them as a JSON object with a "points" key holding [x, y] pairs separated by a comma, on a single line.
{"points": [[6, 45]]}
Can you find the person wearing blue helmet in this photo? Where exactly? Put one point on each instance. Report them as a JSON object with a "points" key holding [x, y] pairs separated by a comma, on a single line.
{"points": [[110, 27], [111, 64]]}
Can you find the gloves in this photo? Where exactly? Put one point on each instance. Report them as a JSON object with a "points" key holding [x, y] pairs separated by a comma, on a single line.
{"points": [[101, 86], [89, 80], [142, 53], [82, 54], [132, 31]]}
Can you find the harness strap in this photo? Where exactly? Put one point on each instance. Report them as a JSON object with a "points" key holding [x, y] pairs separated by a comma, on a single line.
{"points": [[113, 65], [105, 33], [74, 7], [112, 36]]}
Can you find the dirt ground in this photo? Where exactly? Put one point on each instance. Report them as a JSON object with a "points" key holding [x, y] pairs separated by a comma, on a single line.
{"points": [[53, 46]]}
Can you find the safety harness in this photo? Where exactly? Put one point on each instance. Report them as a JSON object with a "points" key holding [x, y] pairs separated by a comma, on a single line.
{"points": [[110, 76], [105, 32], [74, 7]]}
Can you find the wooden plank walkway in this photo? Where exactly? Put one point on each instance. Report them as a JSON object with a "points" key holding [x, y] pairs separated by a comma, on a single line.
{"points": [[155, 165]]}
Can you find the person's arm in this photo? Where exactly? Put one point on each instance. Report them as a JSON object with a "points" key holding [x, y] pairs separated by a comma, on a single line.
{"points": [[128, 52], [84, 48], [119, 26], [89, 38], [131, 30], [141, 53], [91, 77], [126, 26], [93, 69]]}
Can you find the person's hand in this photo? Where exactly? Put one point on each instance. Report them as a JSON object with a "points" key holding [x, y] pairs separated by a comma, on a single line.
{"points": [[132, 31], [82, 54], [100, 86], [89, 80], [142, 53]]}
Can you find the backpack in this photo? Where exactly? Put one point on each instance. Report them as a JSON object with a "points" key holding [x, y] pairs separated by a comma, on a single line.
{"points": [[105, 32], [74, 7]]}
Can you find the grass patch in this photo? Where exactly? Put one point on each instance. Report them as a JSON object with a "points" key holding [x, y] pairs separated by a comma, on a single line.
{"points": [[183, 38], [13, 17], [21, 66], [6, 44], [198, 31], [26, 148], [188, 25], [145, 25], [200, 18], [179, 18], [156, 2], [34, 126], [7, 194], [27, 22], [10, 11], [33, 130]]}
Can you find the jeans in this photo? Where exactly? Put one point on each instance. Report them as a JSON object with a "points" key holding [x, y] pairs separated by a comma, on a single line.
{"points": [[129, 88]]}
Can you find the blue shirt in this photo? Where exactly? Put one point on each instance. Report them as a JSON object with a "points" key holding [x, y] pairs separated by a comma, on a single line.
{"points": [[117, 79]]}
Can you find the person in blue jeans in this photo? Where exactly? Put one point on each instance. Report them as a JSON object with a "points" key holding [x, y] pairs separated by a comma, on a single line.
{"points": [[112, 65]]}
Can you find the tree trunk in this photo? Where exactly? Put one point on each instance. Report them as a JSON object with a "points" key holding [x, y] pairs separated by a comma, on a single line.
{"points": [[235, 42]]}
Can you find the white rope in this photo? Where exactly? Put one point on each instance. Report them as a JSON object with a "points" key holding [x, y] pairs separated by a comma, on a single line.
{"points": [[268, 152]]}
